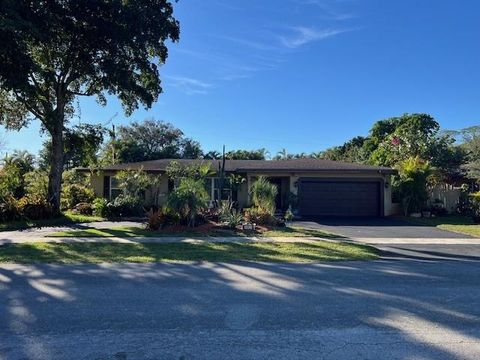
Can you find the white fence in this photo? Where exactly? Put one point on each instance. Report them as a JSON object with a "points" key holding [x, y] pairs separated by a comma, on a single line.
{"points": [[448, 195]]}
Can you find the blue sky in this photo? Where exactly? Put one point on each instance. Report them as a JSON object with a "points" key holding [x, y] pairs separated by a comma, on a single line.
{"points": [[308, 74]]}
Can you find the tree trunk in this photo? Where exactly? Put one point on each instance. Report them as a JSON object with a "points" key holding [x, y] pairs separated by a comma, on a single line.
{"points": [[56, 163]]}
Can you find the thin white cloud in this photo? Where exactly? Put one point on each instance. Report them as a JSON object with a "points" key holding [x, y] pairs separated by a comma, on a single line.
{"points": [[329, 11], [302, 35], [188, 85], [229, 67], [249, 43]]}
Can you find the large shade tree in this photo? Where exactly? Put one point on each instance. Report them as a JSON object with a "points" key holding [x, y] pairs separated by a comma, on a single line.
{"points": [[53, 51], [149, 140], [81, 144]]}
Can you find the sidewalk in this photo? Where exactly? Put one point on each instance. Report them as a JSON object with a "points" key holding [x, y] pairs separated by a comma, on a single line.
{"points": [[157, 240]]}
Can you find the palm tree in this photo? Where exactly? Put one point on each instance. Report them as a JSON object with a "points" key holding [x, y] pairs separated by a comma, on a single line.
{"points": [[301, 155], [265, 153], [21, 159], [282, 155], [316, 155], [212, 155]]}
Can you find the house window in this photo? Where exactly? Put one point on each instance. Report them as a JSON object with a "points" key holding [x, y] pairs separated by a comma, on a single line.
{"points": [[212, 185], [114, 188]]}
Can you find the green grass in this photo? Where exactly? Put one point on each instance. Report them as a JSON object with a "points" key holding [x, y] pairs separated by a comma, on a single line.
{"points": [[62, 253], [455, 223], [134, 231], [125, 232], [67, 218]]}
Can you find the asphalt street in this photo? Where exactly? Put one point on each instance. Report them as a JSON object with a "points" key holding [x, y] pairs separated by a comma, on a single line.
{"points": [[378, 228], [406, 308]]}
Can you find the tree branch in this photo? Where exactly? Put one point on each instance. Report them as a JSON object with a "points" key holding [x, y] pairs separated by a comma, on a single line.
{"points": [[33, 109]]}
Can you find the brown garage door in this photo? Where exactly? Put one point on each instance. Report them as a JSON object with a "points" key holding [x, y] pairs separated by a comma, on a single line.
{"points": [[320, 197]]}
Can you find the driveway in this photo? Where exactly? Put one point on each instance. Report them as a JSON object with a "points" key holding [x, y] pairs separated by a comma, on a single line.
{"points": [[378, 228], [348, 310]]}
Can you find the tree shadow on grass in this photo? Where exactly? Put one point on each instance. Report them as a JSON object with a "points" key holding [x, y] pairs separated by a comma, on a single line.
{"points": [[206, 251], [55, 310]]}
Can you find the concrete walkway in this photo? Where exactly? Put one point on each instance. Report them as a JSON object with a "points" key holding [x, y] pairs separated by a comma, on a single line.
{"points": [[158, 240], [18, 239]]}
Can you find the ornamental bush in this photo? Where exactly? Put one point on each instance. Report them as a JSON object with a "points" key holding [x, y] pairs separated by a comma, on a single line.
{"points": [[412, 184], [83, 209], [126, 205], [9, 209], [74, 194], [100, 208], [263, 195], [259, 216], [475, 205], [188, 199], [34, 208]]}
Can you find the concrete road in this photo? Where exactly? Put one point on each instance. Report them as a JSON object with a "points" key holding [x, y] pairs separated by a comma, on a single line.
{"points": [[408, 309]]}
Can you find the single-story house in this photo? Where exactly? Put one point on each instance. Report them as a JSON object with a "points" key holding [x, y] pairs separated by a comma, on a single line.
{"points": [[323, 187]]}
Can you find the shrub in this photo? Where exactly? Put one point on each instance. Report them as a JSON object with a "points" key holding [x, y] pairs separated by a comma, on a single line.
{"points": [[133, 182], [126, 205], [34, 208], [475, 205], [263, 195], [229, 215], [74, 194], [212, 214], [412, 184], [168, 217], [36, 183], [100, 208], [11, 184], [154, 221], [83, 209], [464, 206], [232, 219], [9, 209], [225, 207], [259, 216], [188, 199]]}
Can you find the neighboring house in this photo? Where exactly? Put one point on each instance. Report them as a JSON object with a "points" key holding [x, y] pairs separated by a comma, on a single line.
{"points": [[324, 187]]}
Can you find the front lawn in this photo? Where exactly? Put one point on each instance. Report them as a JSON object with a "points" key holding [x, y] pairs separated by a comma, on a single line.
{"points": [[201, 231], [454, 223], [67, 218], [62, 253], [133, 231]]}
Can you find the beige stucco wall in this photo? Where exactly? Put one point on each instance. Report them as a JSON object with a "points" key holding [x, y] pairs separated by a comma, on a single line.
{"points": [[243, 190], [161, 194], [388, 207], [96, 180], [97, 185]]}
